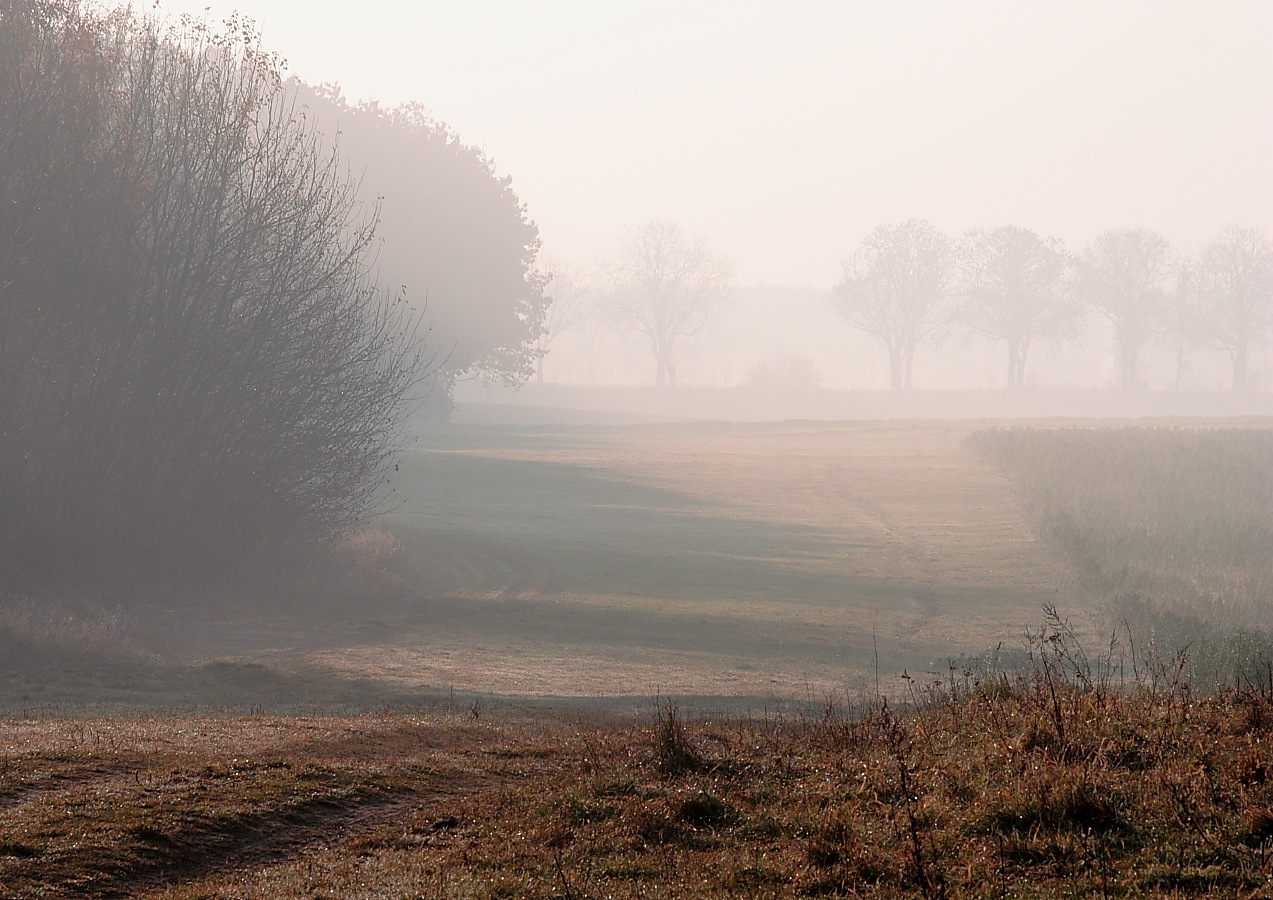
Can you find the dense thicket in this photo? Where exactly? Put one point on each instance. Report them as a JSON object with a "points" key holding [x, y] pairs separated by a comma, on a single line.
{"points": [[194, 362]]}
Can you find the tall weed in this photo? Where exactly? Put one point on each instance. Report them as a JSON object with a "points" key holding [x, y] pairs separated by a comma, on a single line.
{"points": [[1169, 530]]}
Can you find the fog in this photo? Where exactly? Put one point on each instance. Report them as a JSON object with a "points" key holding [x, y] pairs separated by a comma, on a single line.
{"points": [[775, 336], [570, 448], [782, 158], [783, 135], [786, 132]]}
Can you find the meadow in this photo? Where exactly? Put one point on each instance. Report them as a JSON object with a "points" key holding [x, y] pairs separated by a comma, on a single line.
{"points": [[801, 659], [726, 565]]}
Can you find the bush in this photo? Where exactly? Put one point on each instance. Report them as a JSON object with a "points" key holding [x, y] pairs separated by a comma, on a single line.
{"points": [[197, 365]]}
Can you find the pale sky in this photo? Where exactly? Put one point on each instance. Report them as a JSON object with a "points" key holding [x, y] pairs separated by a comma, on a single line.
{"points": [[785, 132]]}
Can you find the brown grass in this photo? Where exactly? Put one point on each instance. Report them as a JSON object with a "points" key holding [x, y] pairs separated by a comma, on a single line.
{"points": [[1009, 786], [743, 564], [1067, 775]]}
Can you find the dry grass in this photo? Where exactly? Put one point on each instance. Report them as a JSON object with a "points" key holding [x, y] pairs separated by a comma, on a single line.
{"points": [[761, 563], [1168, 529], [1010, 786]]}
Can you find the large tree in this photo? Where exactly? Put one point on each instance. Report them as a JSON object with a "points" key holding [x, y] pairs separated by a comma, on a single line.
{"points": [[1014, 292], [1123, 275], [895, 288], [195, 365], [453, 233], [666, 285], [1235, 286]]}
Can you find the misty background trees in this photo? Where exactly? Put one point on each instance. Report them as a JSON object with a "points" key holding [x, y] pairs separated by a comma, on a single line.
{"points": [[666, 285], [1014, 292], [1128, 310], [1123, 275], [570, 292], [195, 362], [895, 287], [1235, 289]]}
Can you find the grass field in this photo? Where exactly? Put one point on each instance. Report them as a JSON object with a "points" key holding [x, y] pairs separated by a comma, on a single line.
{"points": [[462, 704], [713, 560], [732, 564]]}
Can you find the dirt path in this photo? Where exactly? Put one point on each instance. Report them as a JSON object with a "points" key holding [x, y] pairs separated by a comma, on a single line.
{"points": [[159, 811]]}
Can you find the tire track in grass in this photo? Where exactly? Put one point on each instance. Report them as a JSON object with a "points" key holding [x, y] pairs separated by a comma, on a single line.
{"points": [[163, 850]]}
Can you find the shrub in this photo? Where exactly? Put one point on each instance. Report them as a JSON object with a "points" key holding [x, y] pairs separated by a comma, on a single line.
{"points": [[196, 364]]}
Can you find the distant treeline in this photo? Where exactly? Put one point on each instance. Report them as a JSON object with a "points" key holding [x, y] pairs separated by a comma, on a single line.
{"points": [[908, 283], [912, 287]]}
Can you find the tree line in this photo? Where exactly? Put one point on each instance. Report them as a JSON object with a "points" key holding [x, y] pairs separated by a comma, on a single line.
{"points": [[910, 284]]}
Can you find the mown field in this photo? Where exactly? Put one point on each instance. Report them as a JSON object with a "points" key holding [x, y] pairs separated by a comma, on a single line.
{"points": [[736, 564], [688, 661]]}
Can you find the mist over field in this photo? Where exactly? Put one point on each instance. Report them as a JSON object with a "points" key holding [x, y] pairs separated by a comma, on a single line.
{"points": [[726, 449], [298, 331]]}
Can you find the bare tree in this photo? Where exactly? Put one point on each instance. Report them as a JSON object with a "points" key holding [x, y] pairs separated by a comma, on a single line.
{"points": [[1235, 273], [1122, 274], [196, 364], [665, 286], [895, 288], [569, 289], [1014, 292]]}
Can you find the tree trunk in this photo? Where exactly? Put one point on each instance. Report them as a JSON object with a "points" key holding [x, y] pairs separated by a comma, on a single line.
{"points": [[1180, 359], [897, 379], [1014, 365], [1130, 358], [1240, 377]]}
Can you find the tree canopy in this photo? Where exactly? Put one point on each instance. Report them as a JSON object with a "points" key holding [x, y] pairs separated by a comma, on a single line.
{"points": [[1122, 274], [452, 233], [1235, 272], [666, 285], [1014, 292]]}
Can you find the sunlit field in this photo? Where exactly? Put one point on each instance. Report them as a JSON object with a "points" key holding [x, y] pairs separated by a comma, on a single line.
{"points": [[764, 561], [732, 564], [726, 566]]}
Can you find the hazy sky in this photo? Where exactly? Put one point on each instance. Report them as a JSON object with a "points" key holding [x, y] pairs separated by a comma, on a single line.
{"points": [[785, 132]]}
